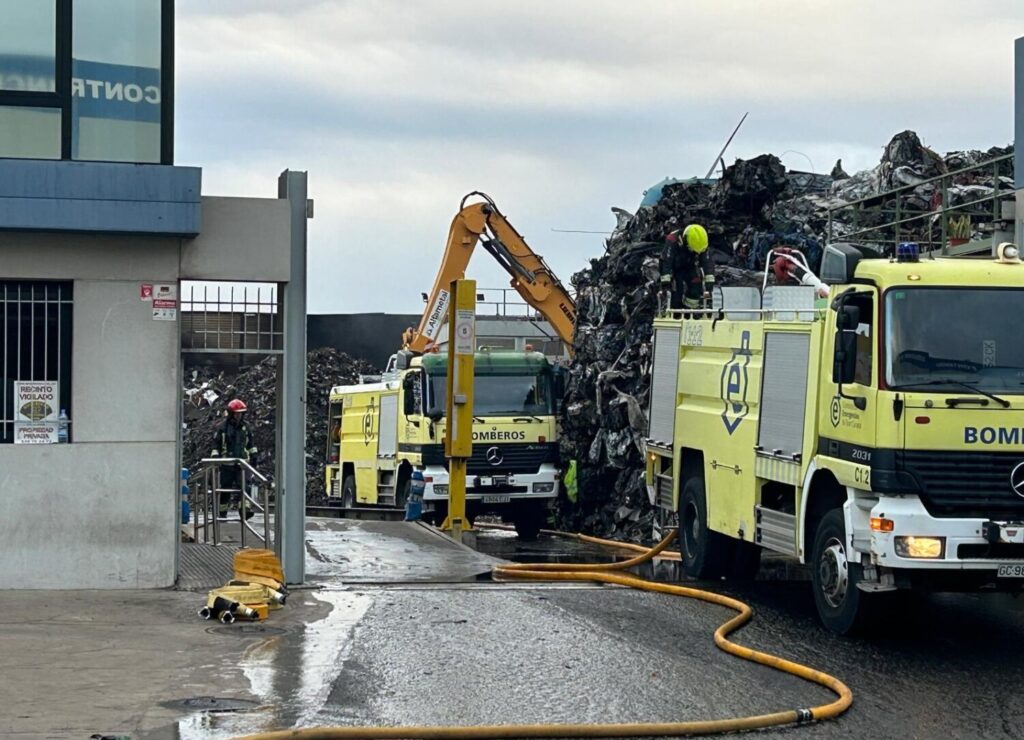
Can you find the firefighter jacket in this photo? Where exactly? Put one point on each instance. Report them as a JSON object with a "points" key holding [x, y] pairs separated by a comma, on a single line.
{"points": [[684, 272], [234, 440]]}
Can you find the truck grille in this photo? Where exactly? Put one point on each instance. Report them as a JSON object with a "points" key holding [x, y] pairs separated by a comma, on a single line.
{"points": [[519, 457], [965, 484]]}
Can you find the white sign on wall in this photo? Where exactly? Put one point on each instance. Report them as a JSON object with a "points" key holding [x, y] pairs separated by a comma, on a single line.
{"points": [[165, 302], [43, 433], [37, 411]]}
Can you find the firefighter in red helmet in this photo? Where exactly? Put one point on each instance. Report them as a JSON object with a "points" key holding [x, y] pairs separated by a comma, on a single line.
{"points": [[233, 439]]}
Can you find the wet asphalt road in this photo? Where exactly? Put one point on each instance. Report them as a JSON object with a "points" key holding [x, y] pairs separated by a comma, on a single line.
{"points": [[362, 652], [947, 666]]}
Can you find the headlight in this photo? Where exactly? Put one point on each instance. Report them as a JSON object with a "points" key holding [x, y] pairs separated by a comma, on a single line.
{"points": [[441, 490], [543, 487], [920, 547]]}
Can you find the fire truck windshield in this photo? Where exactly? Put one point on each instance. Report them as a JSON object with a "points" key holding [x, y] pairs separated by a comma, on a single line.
{"points": [[942, 338], [501, 395]]}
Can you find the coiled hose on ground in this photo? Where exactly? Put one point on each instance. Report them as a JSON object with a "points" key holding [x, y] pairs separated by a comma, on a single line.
{"points": [[605, 573]]}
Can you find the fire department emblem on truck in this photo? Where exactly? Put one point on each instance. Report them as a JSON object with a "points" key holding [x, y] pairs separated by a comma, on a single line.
{"points": [[734, 385], [368, 422]]}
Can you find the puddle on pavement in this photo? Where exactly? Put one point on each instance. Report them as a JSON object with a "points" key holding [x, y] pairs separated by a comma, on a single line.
{"points": [[291, 673]]}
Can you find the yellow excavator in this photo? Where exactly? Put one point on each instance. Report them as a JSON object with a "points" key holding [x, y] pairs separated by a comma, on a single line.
{"points": [[531, 277]]}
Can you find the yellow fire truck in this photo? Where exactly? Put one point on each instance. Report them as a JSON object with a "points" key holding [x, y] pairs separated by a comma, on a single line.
{"points": [[876, 435], [380, 432]]}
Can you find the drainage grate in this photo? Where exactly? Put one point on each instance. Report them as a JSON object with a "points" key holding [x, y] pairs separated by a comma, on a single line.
{"points": [[246, 629], [211, 704]]}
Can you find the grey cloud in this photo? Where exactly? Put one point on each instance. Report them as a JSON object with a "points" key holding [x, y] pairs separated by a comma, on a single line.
{"points": [[560, 110]]}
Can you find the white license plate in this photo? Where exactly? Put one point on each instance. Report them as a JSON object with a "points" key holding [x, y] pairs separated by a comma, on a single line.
{"points": [[501, 500], [1011, 570]]}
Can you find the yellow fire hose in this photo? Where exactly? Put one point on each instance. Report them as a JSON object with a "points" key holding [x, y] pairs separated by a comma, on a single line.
{"points": [[600, 573], [614, 544]]}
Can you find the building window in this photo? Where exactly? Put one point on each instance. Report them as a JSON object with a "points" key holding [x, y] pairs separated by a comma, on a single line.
{"points": [[115, 82], [98, 72], [35, 328], [32, 133], [28, 45]]}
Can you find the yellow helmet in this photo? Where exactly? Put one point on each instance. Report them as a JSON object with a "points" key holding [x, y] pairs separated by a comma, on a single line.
{"points": [[696, 237]]}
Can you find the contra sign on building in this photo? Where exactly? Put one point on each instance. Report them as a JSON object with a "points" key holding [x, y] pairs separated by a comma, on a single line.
{"points": [[102, 92]]}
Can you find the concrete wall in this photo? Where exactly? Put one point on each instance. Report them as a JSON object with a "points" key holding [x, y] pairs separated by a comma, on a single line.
{"points": [[100, 512], [242, 239], [104, 511], [87, 515]]}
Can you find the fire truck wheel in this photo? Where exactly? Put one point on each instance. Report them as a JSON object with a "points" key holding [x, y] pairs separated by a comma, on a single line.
{"points": [[843, 607], [348, 492], [705, 553]]}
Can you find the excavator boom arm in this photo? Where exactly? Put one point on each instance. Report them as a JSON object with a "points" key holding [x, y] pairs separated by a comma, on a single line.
{"points": [[531, 276]]}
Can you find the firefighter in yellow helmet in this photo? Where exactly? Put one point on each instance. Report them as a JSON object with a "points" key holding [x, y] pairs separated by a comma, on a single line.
{"points": [[686, 271]]}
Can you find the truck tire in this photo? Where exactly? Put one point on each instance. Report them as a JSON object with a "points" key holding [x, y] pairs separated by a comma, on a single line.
{"points": [[705, 553], [529, 520], [348, 492], [842, 607]]}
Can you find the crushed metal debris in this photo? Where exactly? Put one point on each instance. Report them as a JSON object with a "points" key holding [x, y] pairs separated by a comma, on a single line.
{"points": [[207, 394]]}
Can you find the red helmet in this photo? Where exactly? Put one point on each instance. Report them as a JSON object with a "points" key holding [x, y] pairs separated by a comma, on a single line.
{"points": [[237, 405]]}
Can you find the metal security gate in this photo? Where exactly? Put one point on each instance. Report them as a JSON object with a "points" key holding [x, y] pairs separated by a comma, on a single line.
{"points": [[230, 327], [35, 327]]}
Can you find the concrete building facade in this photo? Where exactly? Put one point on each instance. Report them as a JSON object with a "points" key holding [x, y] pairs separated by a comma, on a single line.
{"points": [[94, 219], [103, 510]]}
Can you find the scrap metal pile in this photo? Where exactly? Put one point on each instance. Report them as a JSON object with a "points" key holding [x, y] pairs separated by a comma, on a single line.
{"points": [[755, 206], [206, 396]]}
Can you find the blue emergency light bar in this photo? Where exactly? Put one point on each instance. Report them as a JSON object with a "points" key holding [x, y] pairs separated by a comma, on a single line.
{"points": [[908, 252]]}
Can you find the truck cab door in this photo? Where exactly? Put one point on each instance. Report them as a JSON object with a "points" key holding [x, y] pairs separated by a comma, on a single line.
{"points": [[849, 400]]}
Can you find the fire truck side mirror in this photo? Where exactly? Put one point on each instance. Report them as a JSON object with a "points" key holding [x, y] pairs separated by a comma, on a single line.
{"points": [[409, 403]]}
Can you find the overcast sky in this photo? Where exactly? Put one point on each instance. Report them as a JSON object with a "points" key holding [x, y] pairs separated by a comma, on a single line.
{"points": [[559, 109]]}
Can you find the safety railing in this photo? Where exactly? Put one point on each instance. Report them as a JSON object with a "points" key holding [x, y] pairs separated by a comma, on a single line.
{"points": [[937, 228], [506, 303], [207, 492], [503, 303]]}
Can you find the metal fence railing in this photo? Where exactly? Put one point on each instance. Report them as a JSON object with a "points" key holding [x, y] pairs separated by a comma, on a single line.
{"points": [[890, 217], [205, 492], [232, 317]]}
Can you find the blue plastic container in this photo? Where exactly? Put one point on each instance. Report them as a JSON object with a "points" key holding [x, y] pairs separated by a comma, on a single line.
{"points": [[414, 504]]}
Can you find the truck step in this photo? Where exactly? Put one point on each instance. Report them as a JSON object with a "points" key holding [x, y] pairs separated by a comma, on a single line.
{"points": [[775, 530]]}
